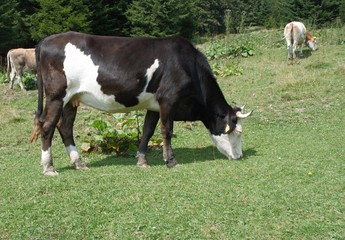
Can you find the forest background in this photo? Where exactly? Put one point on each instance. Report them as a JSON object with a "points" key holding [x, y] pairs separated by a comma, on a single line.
{"points": [[23, 23]]}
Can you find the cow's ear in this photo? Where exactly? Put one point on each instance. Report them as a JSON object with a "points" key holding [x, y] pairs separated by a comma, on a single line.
{"points": [[231, 124], [227, 128]]}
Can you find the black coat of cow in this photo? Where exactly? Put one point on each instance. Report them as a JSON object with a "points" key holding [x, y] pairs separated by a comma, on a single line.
{"points": [[167, 76]]}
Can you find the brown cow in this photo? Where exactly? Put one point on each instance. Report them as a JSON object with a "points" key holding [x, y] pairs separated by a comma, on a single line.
{"points": [[18, 61], [296, 35]]}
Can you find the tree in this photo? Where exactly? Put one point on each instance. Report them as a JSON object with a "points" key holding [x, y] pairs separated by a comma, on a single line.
{"points": [[208, 16], [161, 18], [11, 34], [235, 8], [109, 18], [58, 16], [342, 11], [330, 10]]}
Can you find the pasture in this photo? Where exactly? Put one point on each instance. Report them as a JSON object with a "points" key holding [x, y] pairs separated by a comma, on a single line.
{"points": [[290, 184]]}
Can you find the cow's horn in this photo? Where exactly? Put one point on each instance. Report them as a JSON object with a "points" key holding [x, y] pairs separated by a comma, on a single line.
{"points": [[242, 108], [243, 115]]}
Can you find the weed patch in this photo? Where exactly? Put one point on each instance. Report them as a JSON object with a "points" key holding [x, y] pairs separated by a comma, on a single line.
{"points": [[319, 65]]}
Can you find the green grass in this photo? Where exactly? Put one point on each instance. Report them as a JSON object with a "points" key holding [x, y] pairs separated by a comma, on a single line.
{"points": [[297, 128]]}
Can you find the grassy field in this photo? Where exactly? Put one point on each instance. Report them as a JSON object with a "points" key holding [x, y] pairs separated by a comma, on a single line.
{"points": [[290, 184]]}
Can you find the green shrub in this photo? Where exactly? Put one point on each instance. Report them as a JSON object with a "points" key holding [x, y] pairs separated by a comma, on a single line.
{"points": [[219, 50], [3, 78], [30, 81], [119, 134]]}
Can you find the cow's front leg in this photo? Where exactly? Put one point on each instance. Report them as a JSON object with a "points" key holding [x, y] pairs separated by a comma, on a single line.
{"points": [[301, 51], [150, 123], [167, 131], [65, 127], [19, 78], [21, 83]]}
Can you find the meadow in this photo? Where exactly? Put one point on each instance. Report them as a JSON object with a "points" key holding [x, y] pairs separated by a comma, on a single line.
{"points": [[289, 185]]}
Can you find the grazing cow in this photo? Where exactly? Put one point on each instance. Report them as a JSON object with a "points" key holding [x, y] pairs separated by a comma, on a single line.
{"points": [[296, 35], [18, 61], [166, 76]]}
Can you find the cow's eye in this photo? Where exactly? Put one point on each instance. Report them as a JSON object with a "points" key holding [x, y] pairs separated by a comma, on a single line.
{"points": [[222, 116]]}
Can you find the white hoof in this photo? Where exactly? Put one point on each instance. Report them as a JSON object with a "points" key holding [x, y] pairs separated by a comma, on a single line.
{"points": [[51, 173], [81, 166]]}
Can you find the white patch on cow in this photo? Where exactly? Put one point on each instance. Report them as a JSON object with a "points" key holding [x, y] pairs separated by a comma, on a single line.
{"points": [[46, 157], [229, 144], [82, 85], [312, 45], [47, 163], [150, 71], [147, 100], [72, 153]]}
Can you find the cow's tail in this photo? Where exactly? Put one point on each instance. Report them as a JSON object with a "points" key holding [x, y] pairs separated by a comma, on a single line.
{"points": [[8, 70], [36, 130]]}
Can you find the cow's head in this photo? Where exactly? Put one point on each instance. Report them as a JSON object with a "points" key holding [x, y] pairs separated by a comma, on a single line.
{"points": [[311, 43], [229, 142]]}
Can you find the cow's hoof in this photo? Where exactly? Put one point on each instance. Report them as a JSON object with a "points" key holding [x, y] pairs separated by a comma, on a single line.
{"points": [[142, 161], [84, 168], [143, 165], [51, 173], [81, 166], [172, 163]]}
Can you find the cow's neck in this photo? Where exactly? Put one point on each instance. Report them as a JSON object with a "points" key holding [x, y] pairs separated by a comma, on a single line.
{"points": [[216, 108]]}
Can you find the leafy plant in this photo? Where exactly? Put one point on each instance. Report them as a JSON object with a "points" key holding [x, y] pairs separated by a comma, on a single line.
{"points": [[3, 78], [30, 81], [224, 70], [219, 50], [122, 138]]}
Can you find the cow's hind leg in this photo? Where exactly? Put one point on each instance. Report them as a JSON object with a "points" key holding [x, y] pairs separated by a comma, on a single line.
{"points": [[51, 115], [12, 76], [150, 123], [65, 127], [290, 52], [294, 51]]}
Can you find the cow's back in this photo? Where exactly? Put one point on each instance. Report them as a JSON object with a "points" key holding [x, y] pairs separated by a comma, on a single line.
{"points": [[24, 57], [128, 68], [295, 32]]}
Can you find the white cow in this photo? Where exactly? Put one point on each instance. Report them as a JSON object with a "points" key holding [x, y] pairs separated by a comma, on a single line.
{"points": [[296, 35], [18, 61]]}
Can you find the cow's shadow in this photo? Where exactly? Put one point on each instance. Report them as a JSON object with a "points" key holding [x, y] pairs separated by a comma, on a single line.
{"points": [[183, 156], [306, 53]]}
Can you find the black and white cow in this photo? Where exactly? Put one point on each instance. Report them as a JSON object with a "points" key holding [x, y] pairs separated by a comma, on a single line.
{"points": [[167, 76]]}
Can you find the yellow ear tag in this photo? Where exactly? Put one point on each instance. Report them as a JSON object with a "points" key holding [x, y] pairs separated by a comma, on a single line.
{"points": [[227, 129]]}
